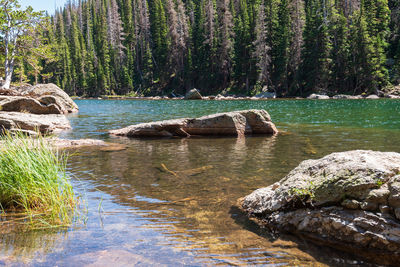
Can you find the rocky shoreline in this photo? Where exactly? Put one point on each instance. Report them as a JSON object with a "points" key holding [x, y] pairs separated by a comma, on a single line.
{"points": [[40, 110], [230, 97], [194, 94], [348, 200]]}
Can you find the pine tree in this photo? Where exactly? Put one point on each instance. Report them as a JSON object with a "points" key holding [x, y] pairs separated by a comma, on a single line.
{"points": [[317, 46], [281, 49], [242, 46], [225, 44], [159, 31], [163, 46], [262, 50], [340, 53], [296, 43], [377, 15], [368, 36], [394, 49]]}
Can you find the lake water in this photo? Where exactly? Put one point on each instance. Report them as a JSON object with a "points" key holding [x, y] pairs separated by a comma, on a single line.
{"points": [[172, 202]]}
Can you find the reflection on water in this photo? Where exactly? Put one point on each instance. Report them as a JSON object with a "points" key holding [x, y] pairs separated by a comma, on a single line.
{"points": [[172, 201]]}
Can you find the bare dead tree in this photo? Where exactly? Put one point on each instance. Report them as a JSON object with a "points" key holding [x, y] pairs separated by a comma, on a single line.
{"points": [[226, 39], [209, 26], [261, 49], [178, 34], [297, 27], [115, 27]]}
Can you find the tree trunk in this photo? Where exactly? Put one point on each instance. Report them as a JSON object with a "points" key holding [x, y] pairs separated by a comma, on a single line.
{"points": [[7, 82], [9, 68]]}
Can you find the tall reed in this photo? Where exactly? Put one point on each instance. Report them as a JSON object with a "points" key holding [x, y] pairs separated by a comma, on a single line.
{"points": [[33, 181]]}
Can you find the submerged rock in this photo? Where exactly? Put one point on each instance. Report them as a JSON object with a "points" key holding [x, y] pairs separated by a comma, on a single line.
{"points": [[193, 94], [58, 143], [236, 123], [349, 200], [68, 143], [33, 123]]}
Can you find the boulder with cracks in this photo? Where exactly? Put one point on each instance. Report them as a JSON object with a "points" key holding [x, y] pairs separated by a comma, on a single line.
{"points": [[33, 124], [38, 99], [236, 123], [348, 200]]}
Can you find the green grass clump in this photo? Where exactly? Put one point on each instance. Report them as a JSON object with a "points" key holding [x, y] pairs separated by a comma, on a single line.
{"points": [[33, 181]]}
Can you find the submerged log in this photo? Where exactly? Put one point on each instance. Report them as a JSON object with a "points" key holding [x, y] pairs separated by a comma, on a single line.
{"points": [[236, 123], [348, 200]]}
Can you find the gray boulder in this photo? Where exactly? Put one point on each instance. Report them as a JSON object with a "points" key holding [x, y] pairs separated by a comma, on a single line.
{"points": [[219, 97], [349, 200], [28, 104], [317, 96], [393, 96], [266, 95], [193, 94], [32, 123], [48, 94], [236, 123], [346, 97], [372, 97]]}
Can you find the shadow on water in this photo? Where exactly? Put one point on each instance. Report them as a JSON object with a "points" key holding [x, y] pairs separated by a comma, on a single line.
{"points": [[321, 254]]}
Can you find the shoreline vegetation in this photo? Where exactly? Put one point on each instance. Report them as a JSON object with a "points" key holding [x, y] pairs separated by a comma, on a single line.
{"points": [[34, 186]]}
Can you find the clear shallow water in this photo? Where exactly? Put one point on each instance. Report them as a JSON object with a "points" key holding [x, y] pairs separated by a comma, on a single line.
{"points": [[172, 201]]}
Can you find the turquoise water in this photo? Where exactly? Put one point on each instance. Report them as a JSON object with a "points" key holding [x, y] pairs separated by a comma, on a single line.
{"points": [[173, 201], [97, 115]]}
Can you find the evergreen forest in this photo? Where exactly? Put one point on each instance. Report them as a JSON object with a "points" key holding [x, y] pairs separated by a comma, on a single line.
{"points": [[243, 47]]}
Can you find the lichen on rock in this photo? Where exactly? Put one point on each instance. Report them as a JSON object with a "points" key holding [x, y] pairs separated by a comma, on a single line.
{"points": [[349, 199]]}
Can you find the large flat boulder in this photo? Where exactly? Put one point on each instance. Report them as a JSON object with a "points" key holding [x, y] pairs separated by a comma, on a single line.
{"points": [[33, 123], [236, 123], [348, 200]]}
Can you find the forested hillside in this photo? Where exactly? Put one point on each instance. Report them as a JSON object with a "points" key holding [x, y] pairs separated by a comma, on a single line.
{"points": [[293, 47]]}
